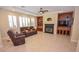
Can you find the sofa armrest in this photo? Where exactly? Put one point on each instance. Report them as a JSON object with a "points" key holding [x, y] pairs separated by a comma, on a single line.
{"points": [[19, 35]]}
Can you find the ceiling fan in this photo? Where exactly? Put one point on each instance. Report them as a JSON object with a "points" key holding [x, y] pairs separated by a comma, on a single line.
{"points": [[42, 11]]}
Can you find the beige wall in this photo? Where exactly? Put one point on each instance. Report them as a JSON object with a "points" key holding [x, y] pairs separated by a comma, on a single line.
{"points": [[1, 45], [75, 28], [77, 49], [4, 26], [54, 20]]}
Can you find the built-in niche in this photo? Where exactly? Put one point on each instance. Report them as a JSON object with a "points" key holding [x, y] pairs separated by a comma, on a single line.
{"points": [[49, 19], [65, 21]]}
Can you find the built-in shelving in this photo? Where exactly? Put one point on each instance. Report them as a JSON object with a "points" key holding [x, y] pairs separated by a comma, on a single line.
{"points": [[65, 21], [40, 23]]}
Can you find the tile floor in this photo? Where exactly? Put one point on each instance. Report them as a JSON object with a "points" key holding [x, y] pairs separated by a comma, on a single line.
{"points": [[42, 42]]}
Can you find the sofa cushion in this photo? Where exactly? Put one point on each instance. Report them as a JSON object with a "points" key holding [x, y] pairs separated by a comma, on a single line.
{"points": [[28, 31]]}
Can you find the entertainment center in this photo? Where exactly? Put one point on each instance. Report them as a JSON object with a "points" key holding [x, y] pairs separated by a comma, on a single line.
{"points": [[65, 21]]}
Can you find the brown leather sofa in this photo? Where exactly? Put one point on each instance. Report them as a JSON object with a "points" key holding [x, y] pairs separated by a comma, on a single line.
{"points": [[17, 38], [28, 31]]}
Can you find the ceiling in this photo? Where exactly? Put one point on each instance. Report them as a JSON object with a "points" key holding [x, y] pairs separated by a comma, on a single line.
{"points": [[35, 9]]}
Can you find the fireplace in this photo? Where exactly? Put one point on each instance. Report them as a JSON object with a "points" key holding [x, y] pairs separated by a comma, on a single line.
{"points": [[49, 28]]}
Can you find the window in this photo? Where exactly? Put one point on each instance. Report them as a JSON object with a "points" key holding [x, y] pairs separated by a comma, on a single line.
{"points": [[20, 21], [33, 23], [12, 21], [23, 21], [26, 21]]}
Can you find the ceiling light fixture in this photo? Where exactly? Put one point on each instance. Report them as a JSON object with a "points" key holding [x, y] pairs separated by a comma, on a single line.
{"points": [[42, 11]]}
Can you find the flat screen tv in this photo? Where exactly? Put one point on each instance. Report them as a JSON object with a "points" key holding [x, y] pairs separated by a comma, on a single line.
{"points": [[63, 23]]}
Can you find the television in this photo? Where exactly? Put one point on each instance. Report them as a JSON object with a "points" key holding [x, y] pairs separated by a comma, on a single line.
{"points": [[63, 23]]}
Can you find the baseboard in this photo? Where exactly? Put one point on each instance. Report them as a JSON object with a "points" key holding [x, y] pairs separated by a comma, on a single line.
{"points": [[7, 38], [74, 41]]}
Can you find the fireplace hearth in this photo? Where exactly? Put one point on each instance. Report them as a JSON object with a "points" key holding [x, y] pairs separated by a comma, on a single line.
{"points": [[49, 28]]}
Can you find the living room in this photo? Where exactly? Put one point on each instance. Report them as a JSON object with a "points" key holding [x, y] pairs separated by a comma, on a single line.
{"points": [[42, 28]]}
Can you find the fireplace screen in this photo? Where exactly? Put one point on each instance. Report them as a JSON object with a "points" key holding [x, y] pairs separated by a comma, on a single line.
{"points": [[49, 28]]}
